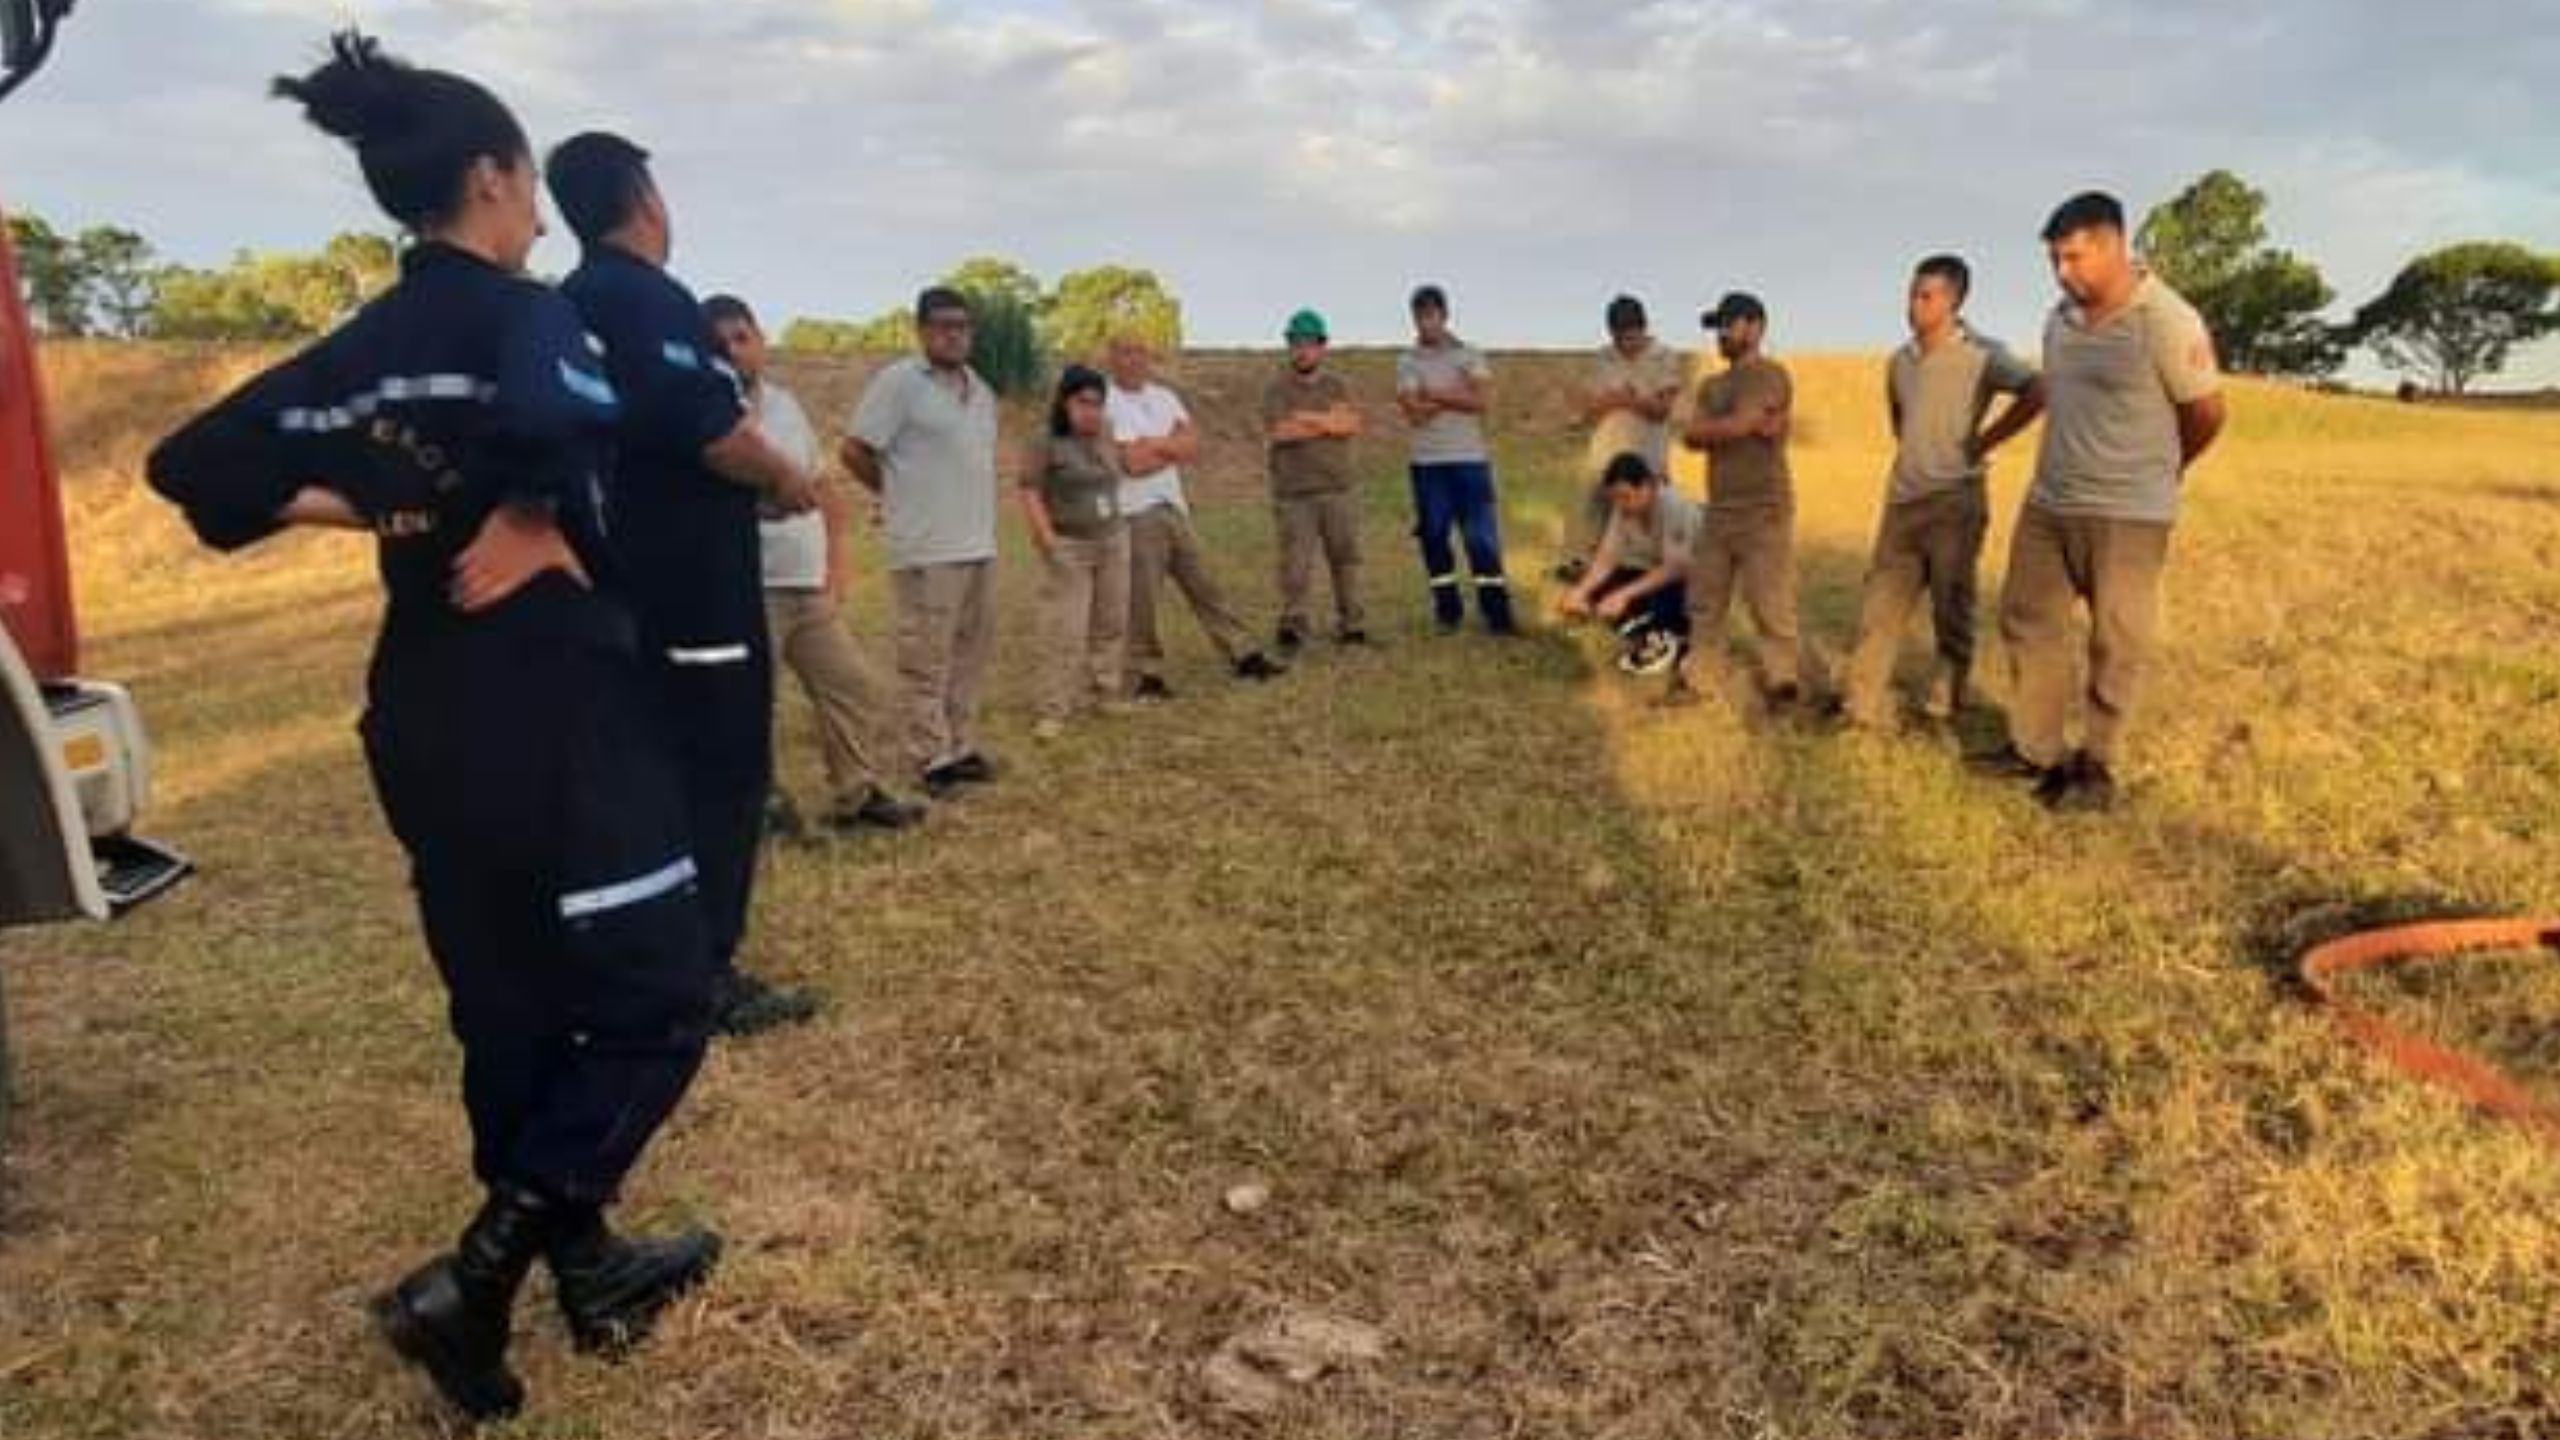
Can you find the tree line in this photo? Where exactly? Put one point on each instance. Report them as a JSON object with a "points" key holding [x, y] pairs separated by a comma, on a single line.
{"points": [[2448, 319]]}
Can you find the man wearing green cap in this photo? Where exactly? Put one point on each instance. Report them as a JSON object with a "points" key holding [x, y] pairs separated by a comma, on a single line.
{"points": [[1307, 413]]}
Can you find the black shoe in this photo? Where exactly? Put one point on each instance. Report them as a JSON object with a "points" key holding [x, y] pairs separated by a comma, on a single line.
{"points": [[877, 810], [973, 769], [1783, 697], [1354, 637], [744, 1005], [1258, 666], [1289, 640], [782, 818], [2008, 763], [452, 1317], [1151, 689], [612, 1290], [2080, 786]]}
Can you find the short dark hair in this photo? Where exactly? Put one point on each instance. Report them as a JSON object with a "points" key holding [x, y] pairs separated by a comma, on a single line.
{"points": [[1627, 467], [1950, 268], [1626, 313], [2088, 210], [597, 180], [942, 297], [1429, 297], [416, 133], [722, 310], [1073, 381]]}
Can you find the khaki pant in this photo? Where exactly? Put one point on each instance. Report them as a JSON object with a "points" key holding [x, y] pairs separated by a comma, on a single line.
{"points": [[2114, 567], [1932, 545], [1084, 621], [1329, 523], [946, 628], [1755, 551], [1164, 546], [810, 639]]}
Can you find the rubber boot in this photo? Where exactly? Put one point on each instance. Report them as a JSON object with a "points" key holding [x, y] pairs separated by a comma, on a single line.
{"points": [[613, 1289], [452, 1316]]}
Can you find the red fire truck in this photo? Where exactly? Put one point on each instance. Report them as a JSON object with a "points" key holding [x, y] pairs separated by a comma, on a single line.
{"points": [[75, 768]]}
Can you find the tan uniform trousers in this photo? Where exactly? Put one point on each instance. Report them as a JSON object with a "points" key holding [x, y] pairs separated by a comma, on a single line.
{"points": [[2113, 566], [946, 628]]}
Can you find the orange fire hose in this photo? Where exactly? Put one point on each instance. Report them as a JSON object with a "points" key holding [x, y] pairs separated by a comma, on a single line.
{"points": [[2474, 1079]]}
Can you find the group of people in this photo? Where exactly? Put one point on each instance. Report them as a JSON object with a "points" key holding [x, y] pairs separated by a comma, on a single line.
{"points": [[599, 519]]}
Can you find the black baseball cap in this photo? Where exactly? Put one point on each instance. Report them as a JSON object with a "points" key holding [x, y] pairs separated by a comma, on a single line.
{"points": [[1734, 306]]}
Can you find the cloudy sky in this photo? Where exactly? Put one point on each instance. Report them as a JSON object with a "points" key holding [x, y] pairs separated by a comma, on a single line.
{"points": [[826, 156]]}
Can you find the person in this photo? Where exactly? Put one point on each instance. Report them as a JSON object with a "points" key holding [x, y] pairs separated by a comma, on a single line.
{"points": [[1939, 389], [1444, 386], [461, 420], [1627, 401], [2134, 398], [1071, 504], [1639, 576], [1747, 540], [1156, 439], [924, 440], [1308, 415], [806, 569], [690, 470]]}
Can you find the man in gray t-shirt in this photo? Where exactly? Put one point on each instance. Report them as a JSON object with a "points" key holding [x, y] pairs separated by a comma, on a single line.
{"points": [[1939, 390], [1443, 386], [924, 440], [2134, 398]]}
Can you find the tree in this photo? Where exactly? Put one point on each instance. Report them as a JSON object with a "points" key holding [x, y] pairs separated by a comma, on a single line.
{"points": [[370, 262], [2454, 315], [120, 283], [991, 277], [2261, 304], [889, 332], [1005, 347], [219, 305], [51, 281], [1089, 307]]}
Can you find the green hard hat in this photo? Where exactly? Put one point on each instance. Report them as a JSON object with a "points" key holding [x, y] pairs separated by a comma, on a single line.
{"points": [[1305, 325]]}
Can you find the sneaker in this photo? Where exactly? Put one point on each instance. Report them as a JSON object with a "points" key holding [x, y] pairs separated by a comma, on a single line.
{"points": [[1258, 666], [1151, 689], [2008, 763], [1289, 640], [876, 810], [2080, 786], [743, 1005], [1650, 652], [1354, 637], [973, 769]]}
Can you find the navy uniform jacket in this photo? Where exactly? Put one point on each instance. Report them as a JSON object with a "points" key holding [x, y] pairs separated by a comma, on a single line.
{"points": [[687, 536], [461, 388]]}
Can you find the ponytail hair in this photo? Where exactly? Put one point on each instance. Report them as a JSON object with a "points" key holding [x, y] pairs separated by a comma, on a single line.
{"points": [[416, 133]]}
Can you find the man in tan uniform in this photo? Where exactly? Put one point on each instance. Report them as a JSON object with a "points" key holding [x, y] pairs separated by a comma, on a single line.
{"points": [[1627, 401], [2135, 397], [1938, 391], [1308, 415], [1748, 540]]}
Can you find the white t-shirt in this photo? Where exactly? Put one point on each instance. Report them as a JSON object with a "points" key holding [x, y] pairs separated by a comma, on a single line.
{"points": [[1148, 414], [795, 546]]}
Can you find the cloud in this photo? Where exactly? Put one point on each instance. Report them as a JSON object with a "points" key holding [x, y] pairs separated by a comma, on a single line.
{"points": [[1536, 155]]}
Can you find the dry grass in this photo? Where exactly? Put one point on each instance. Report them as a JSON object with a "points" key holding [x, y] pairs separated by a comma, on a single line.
{"points": [[1641, 1075]]}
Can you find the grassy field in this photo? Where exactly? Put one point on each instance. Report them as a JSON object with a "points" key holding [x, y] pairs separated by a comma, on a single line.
{"points": [[1636, 1073]]}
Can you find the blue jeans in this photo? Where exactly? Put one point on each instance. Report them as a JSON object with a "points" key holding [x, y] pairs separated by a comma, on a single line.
{"points": [[1459, 495]]}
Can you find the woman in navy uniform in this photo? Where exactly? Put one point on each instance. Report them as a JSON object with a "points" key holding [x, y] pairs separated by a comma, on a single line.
{"points": [[690, 471], [514, 743]]}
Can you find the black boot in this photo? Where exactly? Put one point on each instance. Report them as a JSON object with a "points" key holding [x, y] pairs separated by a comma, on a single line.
{"points": [[612, 1289], [451, 1317]]}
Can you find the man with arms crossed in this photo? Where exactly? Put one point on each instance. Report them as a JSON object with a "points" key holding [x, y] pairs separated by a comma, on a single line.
{"points": [[2134, 397], [1157, 438], [1635, 381]]}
